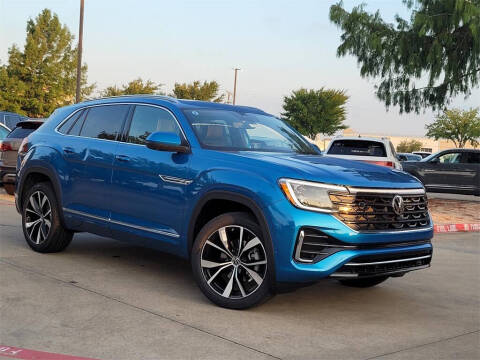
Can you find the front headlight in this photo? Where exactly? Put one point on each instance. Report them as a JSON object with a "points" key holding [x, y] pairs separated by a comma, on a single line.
{"points": [[310, 195]]}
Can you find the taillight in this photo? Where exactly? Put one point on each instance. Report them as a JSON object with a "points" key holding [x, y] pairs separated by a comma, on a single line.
{"points": [[389, 164], [23, 149], [5, 146]]}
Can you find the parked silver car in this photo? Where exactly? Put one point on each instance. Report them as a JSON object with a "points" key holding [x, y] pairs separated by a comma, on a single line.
{"points": [[9, 151], [378, 151]]}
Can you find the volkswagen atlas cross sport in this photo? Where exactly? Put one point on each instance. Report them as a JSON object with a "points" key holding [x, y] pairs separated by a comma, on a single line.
{"points": [[235, 190]]}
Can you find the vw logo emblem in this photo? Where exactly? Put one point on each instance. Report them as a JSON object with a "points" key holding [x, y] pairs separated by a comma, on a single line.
{"points": [[398, 205]]}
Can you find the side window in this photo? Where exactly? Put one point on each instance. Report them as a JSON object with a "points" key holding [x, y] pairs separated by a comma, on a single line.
{"points": [[450, 158], [471, 158], [149, 119], [67, 125], [75, 129], [104, 122]]}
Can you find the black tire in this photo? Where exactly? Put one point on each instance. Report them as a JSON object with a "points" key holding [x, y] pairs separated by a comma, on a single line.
{"points": [[245, 284], [51, 239], [9, 188], [364, 283]]}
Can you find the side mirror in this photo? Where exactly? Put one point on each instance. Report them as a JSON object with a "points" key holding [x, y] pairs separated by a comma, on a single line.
{"points": [[434, 161], [166, 141]]}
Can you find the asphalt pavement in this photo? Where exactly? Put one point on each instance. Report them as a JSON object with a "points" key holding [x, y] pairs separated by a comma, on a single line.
{"points": [[108, 300], [461, 197]]}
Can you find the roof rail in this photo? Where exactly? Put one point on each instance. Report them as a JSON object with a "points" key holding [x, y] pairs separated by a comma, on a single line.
{"points": [[162, 97]]}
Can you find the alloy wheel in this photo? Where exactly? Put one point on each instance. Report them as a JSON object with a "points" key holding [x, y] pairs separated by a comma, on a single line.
{"points": [[38, 217], [234, 262]]}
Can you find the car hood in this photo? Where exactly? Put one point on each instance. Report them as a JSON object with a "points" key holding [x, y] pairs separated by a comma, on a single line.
{"points": [[334, 170]]}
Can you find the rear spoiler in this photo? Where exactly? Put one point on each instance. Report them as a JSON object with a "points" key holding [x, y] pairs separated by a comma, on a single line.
{"points": [[30, 124]]}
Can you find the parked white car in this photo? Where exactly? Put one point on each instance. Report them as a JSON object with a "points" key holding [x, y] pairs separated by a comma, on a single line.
{"points": [[379, 151]]}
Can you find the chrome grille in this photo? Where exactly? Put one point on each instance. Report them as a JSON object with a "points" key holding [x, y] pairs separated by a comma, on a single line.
{"points": [[371, 211]]}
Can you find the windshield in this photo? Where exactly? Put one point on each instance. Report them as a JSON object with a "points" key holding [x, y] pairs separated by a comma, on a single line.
{"points": [[243, 131]]}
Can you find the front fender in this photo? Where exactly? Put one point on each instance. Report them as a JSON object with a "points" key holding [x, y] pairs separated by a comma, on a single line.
{"points": [[249, 189]]}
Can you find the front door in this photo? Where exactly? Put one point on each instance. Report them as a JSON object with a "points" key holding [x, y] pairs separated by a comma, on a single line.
{"points": [[149, 186], [443, 172]]}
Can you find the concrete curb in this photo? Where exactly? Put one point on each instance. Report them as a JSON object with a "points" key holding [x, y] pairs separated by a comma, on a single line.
{"points": [[12, 352], [456, 228]]}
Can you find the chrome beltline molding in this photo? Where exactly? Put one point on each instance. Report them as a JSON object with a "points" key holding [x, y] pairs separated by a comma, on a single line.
{"points": [[143, 228]]}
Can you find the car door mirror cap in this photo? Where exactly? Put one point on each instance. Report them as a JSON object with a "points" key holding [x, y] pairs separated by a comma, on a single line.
{"points": [[167, 141], [435, 161]]}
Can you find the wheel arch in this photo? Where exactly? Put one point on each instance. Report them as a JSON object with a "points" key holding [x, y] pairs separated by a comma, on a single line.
{"points": [[245, 202], [35, 174]]}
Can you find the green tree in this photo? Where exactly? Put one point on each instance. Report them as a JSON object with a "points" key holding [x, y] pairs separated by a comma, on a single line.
{"points": [[137, 86], [456, 125], [408, 146], [315, 111], [439, 46], [208, 91], [43, 76]]}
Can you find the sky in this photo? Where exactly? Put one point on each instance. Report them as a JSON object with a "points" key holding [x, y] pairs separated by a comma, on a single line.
{"points": [[279, 45]]}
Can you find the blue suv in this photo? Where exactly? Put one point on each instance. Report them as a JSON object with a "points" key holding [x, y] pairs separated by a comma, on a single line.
{"points": [[243, 196]]}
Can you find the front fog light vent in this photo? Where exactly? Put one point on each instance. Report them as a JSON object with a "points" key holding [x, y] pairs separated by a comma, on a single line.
{"points": [[314, 245]]}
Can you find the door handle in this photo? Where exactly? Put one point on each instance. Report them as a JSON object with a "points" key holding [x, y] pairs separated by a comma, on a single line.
{"points": [[123, 158], [68, 150]]}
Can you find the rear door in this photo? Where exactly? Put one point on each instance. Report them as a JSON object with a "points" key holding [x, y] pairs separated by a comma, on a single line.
{"points": [[470, 163], [445, 171], [89, 150]]}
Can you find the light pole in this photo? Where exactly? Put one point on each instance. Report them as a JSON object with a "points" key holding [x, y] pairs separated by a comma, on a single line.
{"points": [[235, 86], [79, 50]]}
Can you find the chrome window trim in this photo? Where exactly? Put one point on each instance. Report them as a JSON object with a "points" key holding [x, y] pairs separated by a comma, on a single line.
{"points": [[118, 103], [138, 227]]}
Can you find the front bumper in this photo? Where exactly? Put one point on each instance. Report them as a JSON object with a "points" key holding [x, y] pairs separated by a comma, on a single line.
{"points": [[395, 264], [380, 247]]}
